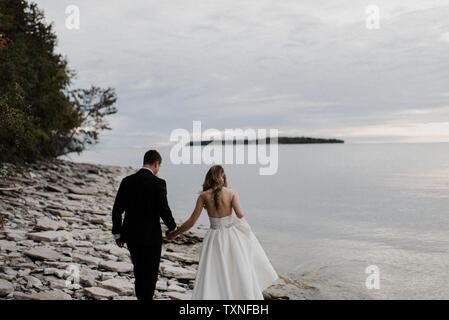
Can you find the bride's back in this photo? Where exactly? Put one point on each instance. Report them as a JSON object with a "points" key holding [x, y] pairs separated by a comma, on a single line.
{"points": [[225, 197]]}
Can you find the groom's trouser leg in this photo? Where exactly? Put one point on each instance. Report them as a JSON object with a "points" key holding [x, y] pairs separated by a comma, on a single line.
{"points": [[146, 259]]}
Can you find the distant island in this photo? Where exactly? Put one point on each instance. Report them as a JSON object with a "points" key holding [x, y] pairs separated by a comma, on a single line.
{"points": [[281, 140]]}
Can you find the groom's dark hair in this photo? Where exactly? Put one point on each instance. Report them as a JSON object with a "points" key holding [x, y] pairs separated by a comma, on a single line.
{"points": [[152, 157]]}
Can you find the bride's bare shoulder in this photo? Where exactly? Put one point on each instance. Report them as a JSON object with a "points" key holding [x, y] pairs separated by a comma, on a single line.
{"points": [[229, 191], [203, 194]]}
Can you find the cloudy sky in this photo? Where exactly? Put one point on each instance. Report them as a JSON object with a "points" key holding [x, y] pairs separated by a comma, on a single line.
{"points": [[304, 67]]}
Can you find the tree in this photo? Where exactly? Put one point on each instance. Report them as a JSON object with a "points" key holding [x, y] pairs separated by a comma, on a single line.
{"points": [[35, 91], [19, 137]]}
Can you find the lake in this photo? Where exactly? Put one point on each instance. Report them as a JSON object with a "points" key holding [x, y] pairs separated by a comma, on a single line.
{"points": [[332, 210]]}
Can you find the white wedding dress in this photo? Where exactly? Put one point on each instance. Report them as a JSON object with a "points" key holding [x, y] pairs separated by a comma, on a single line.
{"points": [[233, 264]]}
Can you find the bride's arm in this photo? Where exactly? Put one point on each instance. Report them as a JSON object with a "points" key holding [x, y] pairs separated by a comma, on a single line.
{"points": [[191, 221], [237, 206]]}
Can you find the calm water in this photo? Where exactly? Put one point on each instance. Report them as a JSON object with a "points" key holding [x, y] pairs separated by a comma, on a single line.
{"points": [[333, 210]]}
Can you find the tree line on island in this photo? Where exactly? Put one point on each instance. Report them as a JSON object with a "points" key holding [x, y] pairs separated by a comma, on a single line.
{"points": [[280, 140], [41, 115]]}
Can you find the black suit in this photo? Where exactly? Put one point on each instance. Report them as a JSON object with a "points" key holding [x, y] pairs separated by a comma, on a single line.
{"points": [[143, 198]]}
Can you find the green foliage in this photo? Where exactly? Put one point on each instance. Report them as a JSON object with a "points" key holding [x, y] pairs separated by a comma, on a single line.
{"points": [[41, 117], [18, 135]]}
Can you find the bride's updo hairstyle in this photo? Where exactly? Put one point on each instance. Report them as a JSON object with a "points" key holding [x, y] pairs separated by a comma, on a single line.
{"points": [[215, 180]]}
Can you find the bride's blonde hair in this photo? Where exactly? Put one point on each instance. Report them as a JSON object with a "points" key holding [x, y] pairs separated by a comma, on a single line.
{"points": [[215, 180]]}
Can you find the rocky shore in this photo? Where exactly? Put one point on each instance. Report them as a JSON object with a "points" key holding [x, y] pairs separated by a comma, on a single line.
{"points": [[56, 241]]}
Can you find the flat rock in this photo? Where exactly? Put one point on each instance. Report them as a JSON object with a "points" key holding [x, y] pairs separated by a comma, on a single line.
{"points": [[33, 282], [46, 295], [275, 294], [88, 277], [176, 288], [88, 259], [60, 212], [99, 220], [56, 272], [55, 188], [99, 293], [121, 286], [83, 191], [7, 245], [15, 235], [178, 273], [117, 266], [178, 296], [8, 277], [50, 236], [108, 275], [124, 298], [99, 212], [113, 249], [175, 256], [57, 283], [6, 288], [80, 197], [161, 285], [49, 224], [44, 254]]}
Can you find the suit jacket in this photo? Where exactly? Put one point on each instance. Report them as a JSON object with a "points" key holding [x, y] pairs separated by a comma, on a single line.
{"points": [[143, 198]]}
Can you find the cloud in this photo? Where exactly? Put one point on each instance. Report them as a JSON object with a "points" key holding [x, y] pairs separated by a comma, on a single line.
{"points": [[309, 67]]}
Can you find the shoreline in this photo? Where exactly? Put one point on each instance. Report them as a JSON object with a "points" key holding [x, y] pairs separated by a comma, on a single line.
{"points": [[56, 242]]}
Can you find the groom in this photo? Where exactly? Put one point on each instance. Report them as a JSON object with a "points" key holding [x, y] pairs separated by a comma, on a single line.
{"points": [[143, 198]]}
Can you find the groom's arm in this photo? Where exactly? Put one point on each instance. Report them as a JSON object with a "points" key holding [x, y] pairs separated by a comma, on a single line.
{"points": [[117, 211], [164, 209]]}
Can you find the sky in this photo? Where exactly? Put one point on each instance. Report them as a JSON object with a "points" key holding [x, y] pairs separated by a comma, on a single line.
{"points": [[307, 68]]}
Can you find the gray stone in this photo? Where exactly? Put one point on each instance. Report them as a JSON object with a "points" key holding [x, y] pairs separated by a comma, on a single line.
{"points": [[161, 285], [6, 288], [176, 288], [121, 286], [83, 191], [8, 277], [50, 236], [7, 245], [43, 253], [178, 273], [124, 298], [9, 271], [100, 212], [99, 293], [49, 224], [45, 295], [33, 282], [88, 281], [88, 276], [55, 188], [113, 249], [78, 197], [56, 272], [178, 296], [174, 256], [90, 260], [60, 212], [56, 283], [15, 235], [23, 273], [116, 266], [108, 275]]}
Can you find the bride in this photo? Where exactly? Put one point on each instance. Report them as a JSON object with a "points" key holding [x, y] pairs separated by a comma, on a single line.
{"points": [[232, 265]]}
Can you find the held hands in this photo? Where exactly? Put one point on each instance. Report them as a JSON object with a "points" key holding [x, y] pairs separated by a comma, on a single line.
{"points": [[172, 235]]}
